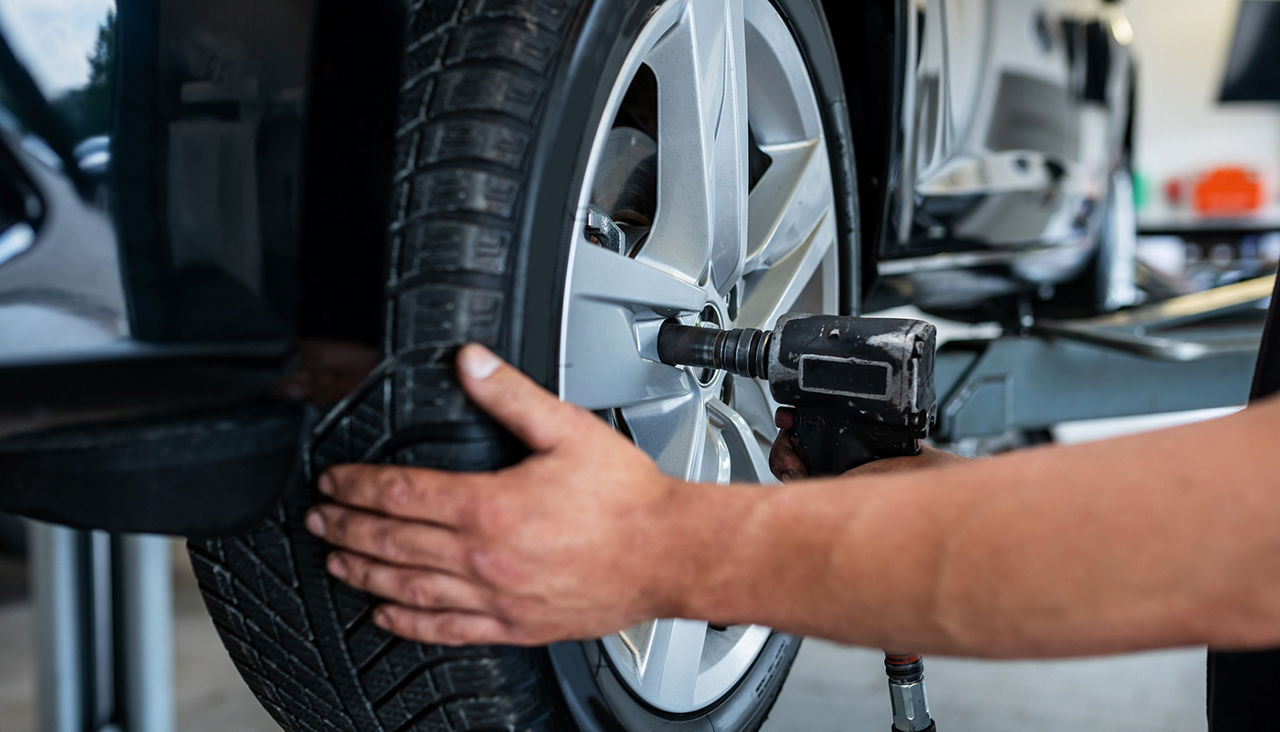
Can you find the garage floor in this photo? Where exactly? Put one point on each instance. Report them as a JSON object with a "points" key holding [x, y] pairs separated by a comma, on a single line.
{"points": [[831, 688]]}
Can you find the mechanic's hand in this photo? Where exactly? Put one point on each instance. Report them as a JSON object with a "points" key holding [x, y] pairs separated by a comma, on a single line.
{"points": [[559, 546], [787, 464]]}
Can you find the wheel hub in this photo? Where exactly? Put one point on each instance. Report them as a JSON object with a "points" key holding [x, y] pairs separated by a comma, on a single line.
{"points": [[709, 318]]}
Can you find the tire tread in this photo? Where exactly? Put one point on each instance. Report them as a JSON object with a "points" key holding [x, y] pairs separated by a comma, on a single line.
{"points": [[474, 77]]}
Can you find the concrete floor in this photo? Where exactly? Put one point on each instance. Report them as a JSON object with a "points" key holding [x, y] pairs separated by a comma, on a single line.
{"points": [[832, 688]]}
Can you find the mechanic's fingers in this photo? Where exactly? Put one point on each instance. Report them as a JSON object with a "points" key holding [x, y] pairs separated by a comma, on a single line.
{"points": [[929, 457], [784, 461], [785, 418], [533, 414], [450, 627], [889, 465], [391, 540], [416, 588], [415, 493]]}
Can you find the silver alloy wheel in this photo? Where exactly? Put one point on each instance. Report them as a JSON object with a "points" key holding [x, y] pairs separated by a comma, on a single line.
{"points": [[718, 251]]}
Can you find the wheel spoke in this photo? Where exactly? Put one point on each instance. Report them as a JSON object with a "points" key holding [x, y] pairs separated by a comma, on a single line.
{"points": [[617, 303], [771, 293], [673, 432], [604, 276], [753, 402], [603, 368], [748, 460], [717, 458], [787, 203], [669, 672], [701, 222]]}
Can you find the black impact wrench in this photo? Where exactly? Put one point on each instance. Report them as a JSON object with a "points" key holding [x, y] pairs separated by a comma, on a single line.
{"points": [[862, 390]]}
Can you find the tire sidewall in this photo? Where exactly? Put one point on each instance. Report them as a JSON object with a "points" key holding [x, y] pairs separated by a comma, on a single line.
{"points": [[600, 39]]}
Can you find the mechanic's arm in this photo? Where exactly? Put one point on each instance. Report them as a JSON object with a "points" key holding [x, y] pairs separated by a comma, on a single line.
{"points": [[1163, 539]]}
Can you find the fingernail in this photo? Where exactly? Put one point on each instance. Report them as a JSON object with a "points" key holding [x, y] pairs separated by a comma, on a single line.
{"points": [[382, 619], [315, 523], [478, 362], [326, 484], [337, 567]]}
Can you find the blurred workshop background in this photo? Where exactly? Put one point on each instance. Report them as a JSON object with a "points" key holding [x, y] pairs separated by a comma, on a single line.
{"points": [[1207, 176], [1207, 153]]}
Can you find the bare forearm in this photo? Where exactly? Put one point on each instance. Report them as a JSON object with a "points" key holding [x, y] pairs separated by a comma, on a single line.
{"points": [[1161, 539]]}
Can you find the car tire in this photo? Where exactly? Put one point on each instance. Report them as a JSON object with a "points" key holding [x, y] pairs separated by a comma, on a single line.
{"points": [[499, 103]]}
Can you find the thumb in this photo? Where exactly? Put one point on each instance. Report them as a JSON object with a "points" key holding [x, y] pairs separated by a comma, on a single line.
{"points": [[533, 414]]}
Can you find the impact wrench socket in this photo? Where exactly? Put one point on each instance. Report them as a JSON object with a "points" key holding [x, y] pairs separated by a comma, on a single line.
{"points": [[862, 389]]}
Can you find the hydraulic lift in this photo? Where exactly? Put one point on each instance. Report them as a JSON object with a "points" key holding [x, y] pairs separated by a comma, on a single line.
{"points": [[1185, 353], [103, 609]]}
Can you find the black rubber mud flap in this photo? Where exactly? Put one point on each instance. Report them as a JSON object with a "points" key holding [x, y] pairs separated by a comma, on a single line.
{"points": [[183, 475]]}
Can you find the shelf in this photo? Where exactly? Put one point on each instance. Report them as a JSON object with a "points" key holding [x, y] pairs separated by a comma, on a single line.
{"points": [[1166, 222]]}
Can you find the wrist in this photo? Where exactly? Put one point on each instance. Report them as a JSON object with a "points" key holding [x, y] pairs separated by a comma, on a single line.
{"points": [[706, 550]]}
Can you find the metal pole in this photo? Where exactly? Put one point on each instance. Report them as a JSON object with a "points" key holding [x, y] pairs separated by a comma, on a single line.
{"points": [[145, 632], [98, 655], [57, 569]]}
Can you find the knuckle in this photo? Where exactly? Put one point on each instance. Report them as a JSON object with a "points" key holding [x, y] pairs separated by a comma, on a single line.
{"points": [[412, 625], [393, 620], [520, 633], [388, 543], [422, 593], [479, 563], [468, 509], [393, 487], [338, 523], [385, 619], [453, 632], [399, 621], [362, 572], [511, 609], [517, 633], [496, 567], [574, 417], [467, 565]]}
